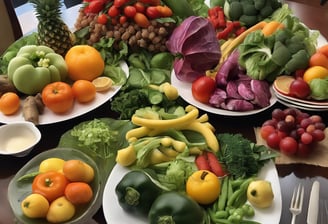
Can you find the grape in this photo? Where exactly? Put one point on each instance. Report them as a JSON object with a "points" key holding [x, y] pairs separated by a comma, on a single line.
{"points": [[316, 118], [293, 131], [305, 122], [273, 140], [266, 131], [306, 138], [319, 125], [278, 114], [318, 135], [288, 145]]}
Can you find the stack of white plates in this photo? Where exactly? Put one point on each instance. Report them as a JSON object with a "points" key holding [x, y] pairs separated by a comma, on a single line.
{"points": [[311, 105]]}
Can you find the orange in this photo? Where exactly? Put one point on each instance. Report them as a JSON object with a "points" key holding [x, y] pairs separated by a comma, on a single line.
{"points": [[84, 91], [77, 170], [318, 59], [84, 62], [78, 192], [9, 103], [324, 50]]}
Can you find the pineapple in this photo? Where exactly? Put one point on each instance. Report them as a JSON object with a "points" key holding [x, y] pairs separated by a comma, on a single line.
{"points": [[52, 31]]}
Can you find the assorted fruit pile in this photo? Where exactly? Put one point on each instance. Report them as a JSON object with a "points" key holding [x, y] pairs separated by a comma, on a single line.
{"points": [[310, 83], [59, 189], [293, 132], [141, 24]]}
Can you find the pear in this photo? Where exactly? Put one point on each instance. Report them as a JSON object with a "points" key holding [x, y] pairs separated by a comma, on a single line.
{"points": [[260, 194]]}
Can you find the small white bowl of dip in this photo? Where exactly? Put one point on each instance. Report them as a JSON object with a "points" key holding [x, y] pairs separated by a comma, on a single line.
{"points": [[18, 138]]}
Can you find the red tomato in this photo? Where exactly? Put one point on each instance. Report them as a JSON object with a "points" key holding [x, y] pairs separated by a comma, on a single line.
{"points": [[130, 11], [202, 88], [58, 97], [113, 11], [102, 19], [50, 184]]}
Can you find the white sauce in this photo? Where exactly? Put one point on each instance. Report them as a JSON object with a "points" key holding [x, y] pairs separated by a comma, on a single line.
{"points": [[17, 143]]}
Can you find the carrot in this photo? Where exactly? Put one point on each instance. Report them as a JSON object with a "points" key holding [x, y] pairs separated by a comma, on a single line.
{"points": [[215, 165], [202, 163], [271, 27]]}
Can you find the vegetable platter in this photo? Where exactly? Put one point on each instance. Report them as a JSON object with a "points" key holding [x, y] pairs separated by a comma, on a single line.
{"points": [[115, 214], [49, 117]]}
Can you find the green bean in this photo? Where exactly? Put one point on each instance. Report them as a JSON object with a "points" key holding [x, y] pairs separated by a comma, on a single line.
{"points": [[224, 194]]}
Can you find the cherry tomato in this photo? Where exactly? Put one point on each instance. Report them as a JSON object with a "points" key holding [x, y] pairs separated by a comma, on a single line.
{"points": [[140, 7], [141, 20], [152, 12], [130, 11], [94, 6], [102, 19], [164, 11], [288, 145], [119, 3], [50, 184], [202, 88], [58, 97], [113, 11], [123, 19]]}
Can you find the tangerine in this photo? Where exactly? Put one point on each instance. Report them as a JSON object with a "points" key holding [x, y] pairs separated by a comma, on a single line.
{"points": [[84, 62], [78, 192], [84, 91], [9, 103]]}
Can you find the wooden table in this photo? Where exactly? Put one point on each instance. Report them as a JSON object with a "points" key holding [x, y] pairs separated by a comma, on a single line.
{"points": [[289, 175]]}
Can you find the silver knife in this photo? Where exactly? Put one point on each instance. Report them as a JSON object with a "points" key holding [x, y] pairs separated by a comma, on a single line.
{"points": [[312, 216]]}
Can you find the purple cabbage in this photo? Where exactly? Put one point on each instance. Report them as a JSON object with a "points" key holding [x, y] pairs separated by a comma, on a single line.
{"points": [[197, 49]]}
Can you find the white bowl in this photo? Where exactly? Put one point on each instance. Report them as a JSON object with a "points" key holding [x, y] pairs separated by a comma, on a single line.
{"points": [[18, 138]]}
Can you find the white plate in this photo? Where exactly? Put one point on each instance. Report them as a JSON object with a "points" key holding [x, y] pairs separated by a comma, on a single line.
{"points": [[48, 117], [114, 214], [290, 101], [184, 89]]}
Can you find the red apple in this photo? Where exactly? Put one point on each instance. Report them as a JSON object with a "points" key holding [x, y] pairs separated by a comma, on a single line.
{"points": [[299, 88]]}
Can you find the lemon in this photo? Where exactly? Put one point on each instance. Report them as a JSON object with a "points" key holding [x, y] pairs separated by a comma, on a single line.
{"points": [[51, 164], [102, 83], [260, 194], [315, 72]]}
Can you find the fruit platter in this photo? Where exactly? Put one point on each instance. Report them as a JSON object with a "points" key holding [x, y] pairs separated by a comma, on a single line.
{"points": [[163, 67]]}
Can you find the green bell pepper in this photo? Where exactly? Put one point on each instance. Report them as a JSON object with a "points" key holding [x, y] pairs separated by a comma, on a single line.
{"points": [[137, 191], [175, 208], [34, 67]]}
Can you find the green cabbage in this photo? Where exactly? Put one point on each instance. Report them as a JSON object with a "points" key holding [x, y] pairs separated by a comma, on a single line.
{"points": [[319, 89]]}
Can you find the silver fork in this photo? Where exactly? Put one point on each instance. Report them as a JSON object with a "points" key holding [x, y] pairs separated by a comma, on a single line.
{"points": [[296, 202]]}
